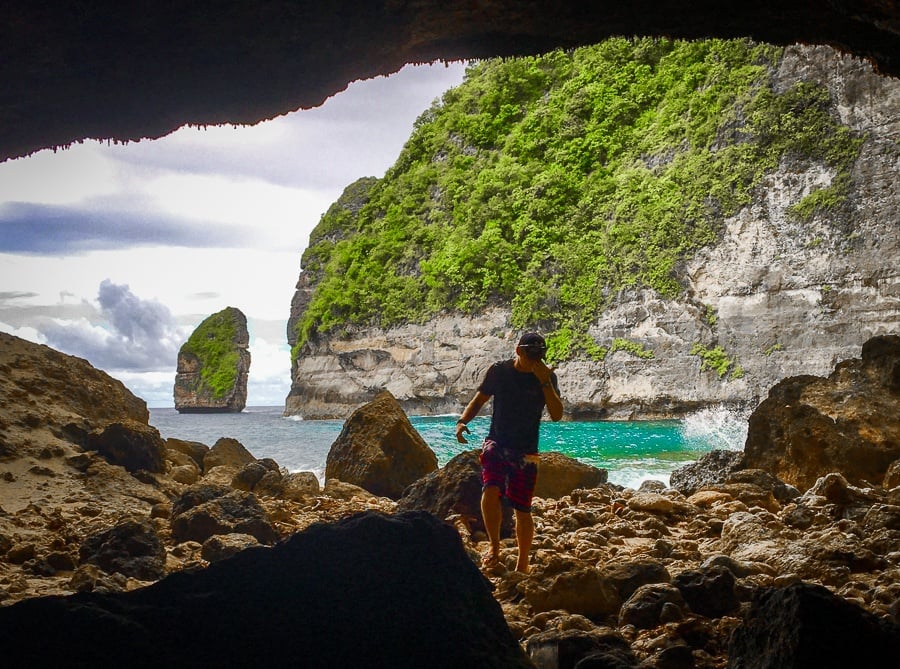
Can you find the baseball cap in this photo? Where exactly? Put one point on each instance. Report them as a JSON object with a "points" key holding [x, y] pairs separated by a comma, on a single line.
{"points": [[534, 345]]}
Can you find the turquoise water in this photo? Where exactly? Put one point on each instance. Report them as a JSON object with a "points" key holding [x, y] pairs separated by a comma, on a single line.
{"points": [[631, 451]]}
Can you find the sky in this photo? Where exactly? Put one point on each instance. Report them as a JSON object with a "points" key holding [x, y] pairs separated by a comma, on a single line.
{"points": [[116, 252]]}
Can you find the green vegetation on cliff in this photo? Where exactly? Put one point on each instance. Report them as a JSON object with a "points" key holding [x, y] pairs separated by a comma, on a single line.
{"points": [[551, 183], [213, 343]]}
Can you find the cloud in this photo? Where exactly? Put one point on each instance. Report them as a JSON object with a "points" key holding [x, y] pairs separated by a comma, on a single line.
{"points": [[7, 296], [50, 229], [353, 134], [129, 333], [269, 379]]}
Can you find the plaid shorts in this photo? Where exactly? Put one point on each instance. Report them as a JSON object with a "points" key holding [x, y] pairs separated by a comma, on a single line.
{"points": [[514, 473]]}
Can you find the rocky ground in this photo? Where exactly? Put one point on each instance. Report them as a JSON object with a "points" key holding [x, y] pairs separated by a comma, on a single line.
{"points": [[92, 499]]}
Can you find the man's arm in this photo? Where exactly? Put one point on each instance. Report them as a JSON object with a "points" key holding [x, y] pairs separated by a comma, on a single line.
{"points": [[551, 397], [468, 414], [554, 403]]}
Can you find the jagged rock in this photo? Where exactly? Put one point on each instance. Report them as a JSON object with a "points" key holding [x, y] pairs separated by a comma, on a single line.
{"points": [[344, 491], [133, 446], [193, 449], [379, 450], [626, 577], [892, 476], [197, 495], [712, 468], [811, 426], [221, 546], [805, 625], [764, 480], [580, 589], [645, 607], [708, 591], [249, 476], [748, 494], [270, 485], [132, 548], [236, 512], [322, 593], [213, 365], [185, 474]]}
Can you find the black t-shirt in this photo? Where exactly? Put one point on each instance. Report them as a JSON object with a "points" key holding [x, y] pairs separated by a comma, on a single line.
{"points": [[518, 406]]}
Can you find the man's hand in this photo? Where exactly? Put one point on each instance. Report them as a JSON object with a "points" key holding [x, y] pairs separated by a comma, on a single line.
{"points": [[461, 428], [538, 368]]}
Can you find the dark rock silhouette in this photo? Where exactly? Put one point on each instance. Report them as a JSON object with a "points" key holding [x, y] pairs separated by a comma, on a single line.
{"points": [[805, 625], [368, 591], [305, 51]]}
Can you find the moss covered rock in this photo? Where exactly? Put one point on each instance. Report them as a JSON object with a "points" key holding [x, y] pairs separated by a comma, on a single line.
{"points": [[213, 365]]}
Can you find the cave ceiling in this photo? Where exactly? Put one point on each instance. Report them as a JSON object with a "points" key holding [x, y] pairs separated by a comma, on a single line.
{"points": [[123, 71]]}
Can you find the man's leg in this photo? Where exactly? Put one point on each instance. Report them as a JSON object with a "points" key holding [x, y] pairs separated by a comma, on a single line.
{"points": [[492, 513], [524, 538]]}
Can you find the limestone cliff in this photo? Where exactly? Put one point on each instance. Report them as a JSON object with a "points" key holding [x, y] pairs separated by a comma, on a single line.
{"points": [[213, 365], [773, 297]]}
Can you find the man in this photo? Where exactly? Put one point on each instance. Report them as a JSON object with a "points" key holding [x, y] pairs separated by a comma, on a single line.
{"points": [[521, 388]]}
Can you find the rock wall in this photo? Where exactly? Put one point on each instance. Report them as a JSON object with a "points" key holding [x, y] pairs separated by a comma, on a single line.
{"points": [[780, 297]]}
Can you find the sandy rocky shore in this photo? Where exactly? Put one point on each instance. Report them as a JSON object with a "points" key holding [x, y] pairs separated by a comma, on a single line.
{"points": [[740, 563]]}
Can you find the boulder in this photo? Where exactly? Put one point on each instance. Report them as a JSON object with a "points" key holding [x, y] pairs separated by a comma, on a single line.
{"points": [[626, 577], [454, 490], [379, 450], [708, 591], [344, 491], [579, 589], [810, 426], [234, 512], [559, 475], [193, 449], [227, 452], [648, 605], [133, 446], [249, 476], [301, 485], [368, 591], [132, 548]]}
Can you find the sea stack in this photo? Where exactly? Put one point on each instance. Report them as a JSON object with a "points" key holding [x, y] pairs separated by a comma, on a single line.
{"points": [[213, 365]]}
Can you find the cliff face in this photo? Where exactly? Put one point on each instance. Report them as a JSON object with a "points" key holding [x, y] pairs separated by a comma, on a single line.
{"points": [[774, 297], [213, 366]]}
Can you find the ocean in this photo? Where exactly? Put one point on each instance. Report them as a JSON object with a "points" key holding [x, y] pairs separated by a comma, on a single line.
{"points": [[631, 451]]}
